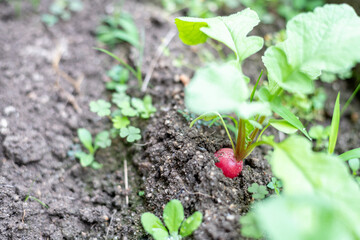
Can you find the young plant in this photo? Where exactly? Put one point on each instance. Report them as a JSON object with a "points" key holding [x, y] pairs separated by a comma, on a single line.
{"points": [[102, 140], [275, 185], [321, 135], [61, 9], [118, 28], [292, 66], [354, 165], [177, 227], [258, 191], [123, 107]]}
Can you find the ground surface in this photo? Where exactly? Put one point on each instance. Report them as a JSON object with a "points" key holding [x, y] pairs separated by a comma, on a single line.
{"points": [[40, 112]]}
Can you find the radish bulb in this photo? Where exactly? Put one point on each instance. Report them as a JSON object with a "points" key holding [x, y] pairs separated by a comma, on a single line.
{"points": [[230, 167]]}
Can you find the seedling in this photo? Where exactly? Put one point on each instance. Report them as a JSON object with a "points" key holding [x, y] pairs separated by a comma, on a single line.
{"points": [[118, 28], [292, 66], [37, 200], [275, 185], [177, 227], [354, 165], [130, 133], [321, 135], [61, 9], [124, 107], [102, 140], [258, 191], [100, 107]]}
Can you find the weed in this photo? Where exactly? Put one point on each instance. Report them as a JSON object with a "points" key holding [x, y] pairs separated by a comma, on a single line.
{"points": [[61, 9], [275, 185], [102, 140], [173, 217], [258, 191]]}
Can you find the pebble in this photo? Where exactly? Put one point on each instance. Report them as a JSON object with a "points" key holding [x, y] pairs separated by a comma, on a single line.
{"points": [[9, 110], [3, 123]]}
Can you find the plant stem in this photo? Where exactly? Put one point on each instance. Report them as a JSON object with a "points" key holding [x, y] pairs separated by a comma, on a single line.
{"points": [[241, 140], [350, 99], [256, 84]]}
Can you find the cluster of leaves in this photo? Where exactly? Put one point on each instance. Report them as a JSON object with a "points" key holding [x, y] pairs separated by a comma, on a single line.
{"points": [[196, 8], [102, 140], [125, 107], [285, 8], [259, 191], [120, 111], [17, 5], [177, 227], [307, 107], [117, 28], [61, 9], [317, 187]]}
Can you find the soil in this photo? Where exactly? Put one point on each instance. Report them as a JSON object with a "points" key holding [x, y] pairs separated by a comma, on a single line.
{"points": [[40, 112]]}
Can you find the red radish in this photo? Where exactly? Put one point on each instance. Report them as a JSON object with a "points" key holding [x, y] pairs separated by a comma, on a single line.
{"points": [[227, 162]]}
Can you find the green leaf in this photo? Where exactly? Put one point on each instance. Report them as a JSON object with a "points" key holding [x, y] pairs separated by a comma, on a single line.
{"points": [[101, 107], [334, 129], [288, 116], [216, 88], [259, 191], [206, 117], [173, 216], [249, 226], [309, 173], [120, 122], [354, 153], [301, 217], [317, 132], [49, 19], [312, 46], [102, 140], [86, 139], [231, 30], [121, 99], [85, 159], [354, 164], [131, 133], [154, 227], [118, 74], [283, 126], [95, 165], [149, 108], [127, 110], [191, 224]]}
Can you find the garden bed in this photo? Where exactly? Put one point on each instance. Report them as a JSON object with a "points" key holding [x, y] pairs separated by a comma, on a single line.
{"points": [[43, 103]]}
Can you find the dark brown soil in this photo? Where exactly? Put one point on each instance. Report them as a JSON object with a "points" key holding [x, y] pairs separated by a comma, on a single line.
{"points": [[40, 112]]}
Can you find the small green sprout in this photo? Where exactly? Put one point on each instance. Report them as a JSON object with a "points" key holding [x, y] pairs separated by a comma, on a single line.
{"points": [[174, 220], [141, 193], [119, 77], [102, 140], [117, 28], [144, 107], [37, 200], [120, 122], [321, 135], [258, 191], [100, 107], [130, 133], [275, 185], [354, 165], [61, 9]]}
